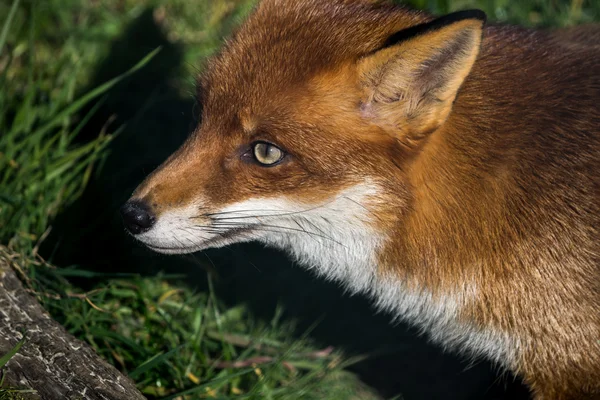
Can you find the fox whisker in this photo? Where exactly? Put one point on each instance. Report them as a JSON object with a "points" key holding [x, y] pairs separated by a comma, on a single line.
{"points": [[282, 229]]}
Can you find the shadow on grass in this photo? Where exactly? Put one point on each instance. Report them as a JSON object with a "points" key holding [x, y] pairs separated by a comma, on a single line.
{"points": [[91, 235]]}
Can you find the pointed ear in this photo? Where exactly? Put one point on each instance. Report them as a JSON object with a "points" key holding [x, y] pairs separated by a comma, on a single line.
{"points": [[411, 83]]}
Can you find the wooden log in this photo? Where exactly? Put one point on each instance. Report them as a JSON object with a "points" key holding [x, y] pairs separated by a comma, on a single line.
{"points": [[51, 361]]}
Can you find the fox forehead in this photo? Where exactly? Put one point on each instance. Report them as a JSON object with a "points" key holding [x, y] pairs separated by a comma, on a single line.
{"points": [[285, 43]]}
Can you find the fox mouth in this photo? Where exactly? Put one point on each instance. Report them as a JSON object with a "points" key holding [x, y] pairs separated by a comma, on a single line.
{"points": [[220, 239]]}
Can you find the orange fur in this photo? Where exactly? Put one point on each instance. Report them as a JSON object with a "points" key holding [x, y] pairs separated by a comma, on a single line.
{"points": [[484, 141]]}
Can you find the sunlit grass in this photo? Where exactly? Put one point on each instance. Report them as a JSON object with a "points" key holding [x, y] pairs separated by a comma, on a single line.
{"points": [[173, 341]]}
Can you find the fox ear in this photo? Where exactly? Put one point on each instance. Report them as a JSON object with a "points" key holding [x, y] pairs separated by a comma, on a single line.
{"points": [[411, 83]]}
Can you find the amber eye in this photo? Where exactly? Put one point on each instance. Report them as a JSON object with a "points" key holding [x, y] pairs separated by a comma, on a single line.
{"points": [[267, 153]]}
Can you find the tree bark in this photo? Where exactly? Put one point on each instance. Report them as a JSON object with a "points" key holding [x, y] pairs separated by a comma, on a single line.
{"points": [[51, 361]]}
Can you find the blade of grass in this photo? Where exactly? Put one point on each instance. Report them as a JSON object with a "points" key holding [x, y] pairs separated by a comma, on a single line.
{"points": [[154, 361], [85, 99], [7, 23], [5, 358], [213, 382]]}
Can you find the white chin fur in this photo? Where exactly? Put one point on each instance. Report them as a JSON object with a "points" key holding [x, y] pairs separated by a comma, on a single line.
{"points": [[216, 242], [175, 250]]}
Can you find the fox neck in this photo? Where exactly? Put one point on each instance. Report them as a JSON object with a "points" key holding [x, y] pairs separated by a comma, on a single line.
{"points": [[339, 242], [335, 239]]}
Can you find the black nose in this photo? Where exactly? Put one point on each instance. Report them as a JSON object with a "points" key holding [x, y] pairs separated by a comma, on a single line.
{"points": [[137, 216]]}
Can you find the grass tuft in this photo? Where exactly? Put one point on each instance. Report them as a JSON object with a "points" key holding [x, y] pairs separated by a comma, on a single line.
{"points": [[176, 342]]}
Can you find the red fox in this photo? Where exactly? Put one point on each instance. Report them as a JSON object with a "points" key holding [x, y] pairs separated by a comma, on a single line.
{"points": [[448, 168]]}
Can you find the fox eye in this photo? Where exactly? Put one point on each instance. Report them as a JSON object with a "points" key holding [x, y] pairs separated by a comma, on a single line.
{"points": [[266, 153]]}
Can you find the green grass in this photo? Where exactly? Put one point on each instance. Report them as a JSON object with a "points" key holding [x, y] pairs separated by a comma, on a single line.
{"points": [[175, 342]]}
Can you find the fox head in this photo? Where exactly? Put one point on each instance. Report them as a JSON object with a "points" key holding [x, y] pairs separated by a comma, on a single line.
{"points": [[314, 116]]}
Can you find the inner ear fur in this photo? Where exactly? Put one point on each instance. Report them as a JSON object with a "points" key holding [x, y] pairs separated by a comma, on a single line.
{"points": [[410, 84]]}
